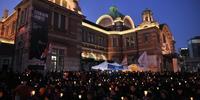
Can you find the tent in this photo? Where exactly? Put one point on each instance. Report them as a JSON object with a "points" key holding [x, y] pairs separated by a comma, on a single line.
{"points": [[134, 67], [108, 66]]}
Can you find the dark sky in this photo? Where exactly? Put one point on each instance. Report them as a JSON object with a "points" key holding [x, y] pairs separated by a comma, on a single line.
{"points": [[182, 16]]}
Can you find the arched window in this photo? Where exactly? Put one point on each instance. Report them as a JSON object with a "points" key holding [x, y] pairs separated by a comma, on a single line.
{"points": [[164, 39], [146, 18], [57, 2], [64, 3]]}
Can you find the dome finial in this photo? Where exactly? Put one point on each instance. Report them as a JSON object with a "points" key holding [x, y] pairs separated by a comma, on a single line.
{"points": [[114, 13]]}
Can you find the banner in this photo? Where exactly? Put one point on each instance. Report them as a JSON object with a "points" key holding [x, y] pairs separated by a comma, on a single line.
{"points": [[124, 61], [39, 34], [143, 60]]}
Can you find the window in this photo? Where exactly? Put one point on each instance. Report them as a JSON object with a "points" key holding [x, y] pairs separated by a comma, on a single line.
{"points": [[56, 20], [92, 38], [114, 42], [146, 18], [13, 27], [164, 39], [22, 17], [57, 2], [25, 15], [145, 37], [127, 42], [62, 22], [64, 3], [130, 42], [57, 59]]}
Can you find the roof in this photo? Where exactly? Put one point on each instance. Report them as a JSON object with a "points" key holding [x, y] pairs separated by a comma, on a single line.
{"points": [[196, 37], [162, 25], [94, 24]]}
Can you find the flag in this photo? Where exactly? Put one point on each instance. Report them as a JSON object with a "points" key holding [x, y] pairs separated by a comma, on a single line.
{"points": [[143, 60], [124, 61], [46, 51]]}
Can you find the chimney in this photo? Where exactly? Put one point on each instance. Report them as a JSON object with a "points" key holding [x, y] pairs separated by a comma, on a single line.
{"points": [[5, 13]]}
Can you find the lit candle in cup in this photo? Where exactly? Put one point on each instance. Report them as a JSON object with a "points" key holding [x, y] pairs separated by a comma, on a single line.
{"points": [[145, 93], [32, 93], [61, 94], [79, 96]]}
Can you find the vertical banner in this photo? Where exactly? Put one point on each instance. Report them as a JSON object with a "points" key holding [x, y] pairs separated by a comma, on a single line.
{"points": [[38, 35]]}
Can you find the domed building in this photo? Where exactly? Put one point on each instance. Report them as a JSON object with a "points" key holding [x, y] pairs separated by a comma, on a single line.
{"points": [[54, 35], [115, 36], [115, 20]]}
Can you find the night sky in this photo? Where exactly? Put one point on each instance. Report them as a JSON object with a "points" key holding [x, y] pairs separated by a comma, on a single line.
{"points": [[182, 16]]}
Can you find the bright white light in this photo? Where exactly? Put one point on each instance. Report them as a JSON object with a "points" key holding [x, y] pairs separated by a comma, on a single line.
{"points": [[79, 96], [32, 93], [145, 93], [99, 84], [61, 94]]}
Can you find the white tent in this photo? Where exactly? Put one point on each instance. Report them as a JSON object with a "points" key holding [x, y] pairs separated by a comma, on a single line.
{"points": [[102, 66], [108, 66]]}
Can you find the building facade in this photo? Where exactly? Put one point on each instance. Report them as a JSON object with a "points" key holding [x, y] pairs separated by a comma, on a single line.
{"points": [[193, 61], [7, 36], [54, 35]]}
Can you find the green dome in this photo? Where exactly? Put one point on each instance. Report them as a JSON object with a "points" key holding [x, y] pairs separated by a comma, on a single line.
{"points": [[114, 13]]}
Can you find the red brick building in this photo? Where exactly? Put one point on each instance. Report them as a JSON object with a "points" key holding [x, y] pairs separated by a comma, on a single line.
{"points": [[56, 35]]}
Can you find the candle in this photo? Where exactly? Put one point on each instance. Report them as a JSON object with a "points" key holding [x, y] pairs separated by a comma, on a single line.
{"points": [[145, 93]]}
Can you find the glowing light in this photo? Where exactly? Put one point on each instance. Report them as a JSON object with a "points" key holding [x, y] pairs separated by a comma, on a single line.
{"points": [[103, 17], [130, 20], [122, 98], [135, 83], [145, 93], [32, 93], [157, 88], [185, 81], [99, 84], [110, 88], [191, 98], [79, 96], [116, 32], [61, 94], [6, 41]]}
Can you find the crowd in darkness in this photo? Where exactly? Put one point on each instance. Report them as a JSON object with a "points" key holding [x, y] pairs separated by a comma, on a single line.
{"points": [[97, 85]]}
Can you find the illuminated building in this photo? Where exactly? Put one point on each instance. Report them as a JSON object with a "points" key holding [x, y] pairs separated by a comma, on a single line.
{"points": [[193, 61], [55, 34], [7, 35]]}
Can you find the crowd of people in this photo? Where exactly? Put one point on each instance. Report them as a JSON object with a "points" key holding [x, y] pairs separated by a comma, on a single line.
{"points": [[97, 85]]}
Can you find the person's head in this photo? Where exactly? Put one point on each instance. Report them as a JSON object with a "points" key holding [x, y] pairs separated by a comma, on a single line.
{"points": [[89, 96], [132, 88], [180, 91], [1, 93], [42, 91], [163, 94]]}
